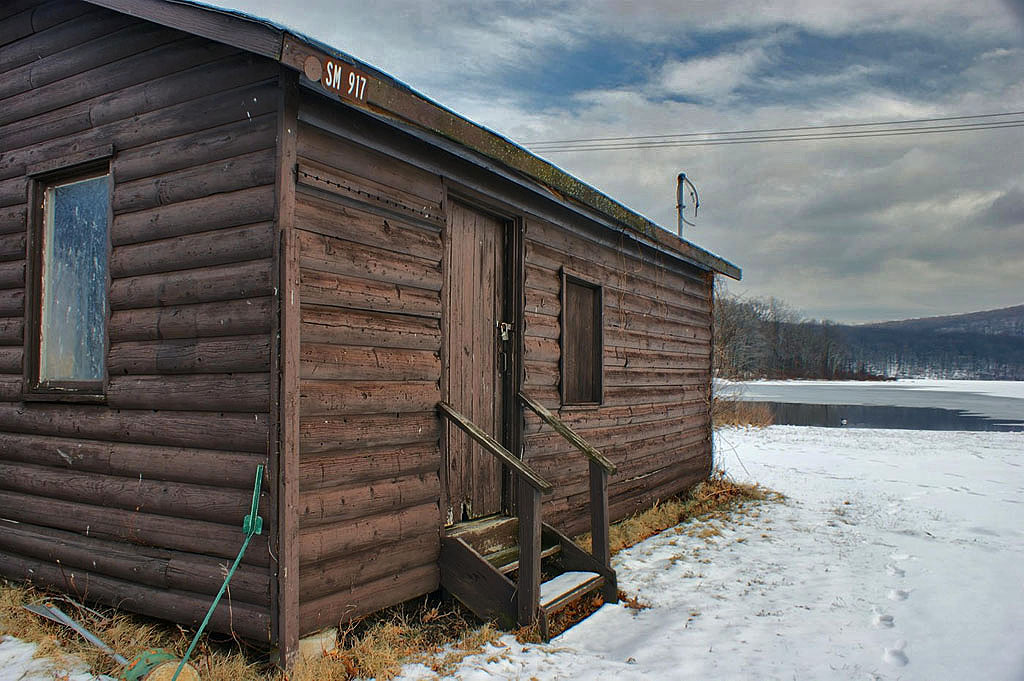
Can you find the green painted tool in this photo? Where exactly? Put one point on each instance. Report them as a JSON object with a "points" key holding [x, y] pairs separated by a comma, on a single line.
{"points": [[251, 526], [157, 664], [151, 665]]}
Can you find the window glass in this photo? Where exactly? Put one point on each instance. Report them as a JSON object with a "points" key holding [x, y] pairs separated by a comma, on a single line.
{"points": [[581, 343], [72, 344]]}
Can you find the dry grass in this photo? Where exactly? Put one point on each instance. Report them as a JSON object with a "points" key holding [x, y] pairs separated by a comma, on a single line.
{"points": [[729, 411], [438, 635], [127, 634], [632, 602], [718, 495]]}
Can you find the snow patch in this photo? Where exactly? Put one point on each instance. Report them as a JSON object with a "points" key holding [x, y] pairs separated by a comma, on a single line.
{"points": [[800, 589], [17, 663]]}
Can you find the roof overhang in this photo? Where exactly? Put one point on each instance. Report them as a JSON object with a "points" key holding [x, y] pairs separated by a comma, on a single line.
{"points": [[360, 85]]}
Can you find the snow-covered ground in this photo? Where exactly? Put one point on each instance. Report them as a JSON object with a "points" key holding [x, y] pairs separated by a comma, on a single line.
{"points": [[897, 555], [1014, 389], [18, 664], [1011, 389]]}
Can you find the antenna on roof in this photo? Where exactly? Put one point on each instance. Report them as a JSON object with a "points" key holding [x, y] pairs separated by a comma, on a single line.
{"points": [[681, 205]]}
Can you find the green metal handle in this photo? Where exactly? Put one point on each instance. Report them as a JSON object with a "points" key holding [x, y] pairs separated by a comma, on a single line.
{"points": [[253, 523], [251, 526]]}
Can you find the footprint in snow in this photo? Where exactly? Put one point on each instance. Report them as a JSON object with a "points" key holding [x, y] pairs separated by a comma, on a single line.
{"points": [[900, 556], [883, 621], [898, 594], [983, 530], [895, 571], [895, 655]]}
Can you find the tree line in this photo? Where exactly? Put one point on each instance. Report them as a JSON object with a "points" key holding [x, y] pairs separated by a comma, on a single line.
{"points": [[766, 338]]}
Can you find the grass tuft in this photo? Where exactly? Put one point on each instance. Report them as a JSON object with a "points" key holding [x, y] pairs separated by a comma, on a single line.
{"points": [[632, 602], [729, 411], [719, 495], [127, 634], [438, 635]]}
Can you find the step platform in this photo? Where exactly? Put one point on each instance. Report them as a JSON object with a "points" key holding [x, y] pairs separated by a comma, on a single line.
{"points": [[556, 593], [479, 560]]}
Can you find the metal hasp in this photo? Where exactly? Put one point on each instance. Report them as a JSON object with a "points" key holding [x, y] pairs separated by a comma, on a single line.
{"points": [[680, 205]]}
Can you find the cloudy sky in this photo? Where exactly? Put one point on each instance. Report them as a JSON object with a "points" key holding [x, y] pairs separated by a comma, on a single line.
{"points": [[852, 230]]}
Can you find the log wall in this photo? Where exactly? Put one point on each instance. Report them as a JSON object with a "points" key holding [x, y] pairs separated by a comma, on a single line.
{"points": [[369, 236], [371, 207], [141, 499], [654, 421]]}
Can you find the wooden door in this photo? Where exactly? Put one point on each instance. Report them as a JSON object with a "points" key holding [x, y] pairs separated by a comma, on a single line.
{"points": [[475, 378]]}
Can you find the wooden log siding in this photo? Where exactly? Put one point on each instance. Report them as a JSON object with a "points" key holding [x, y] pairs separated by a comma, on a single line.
{"points": [[653, 422], [371, 331], [215, 198], [142, 498], [370, 282]]}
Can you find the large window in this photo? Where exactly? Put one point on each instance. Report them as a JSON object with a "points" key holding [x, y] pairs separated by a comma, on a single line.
{"points": [[582, 341], [67, 338]]}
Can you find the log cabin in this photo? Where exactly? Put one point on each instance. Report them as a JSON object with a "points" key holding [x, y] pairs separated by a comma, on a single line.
{"points": [[223, 244]]}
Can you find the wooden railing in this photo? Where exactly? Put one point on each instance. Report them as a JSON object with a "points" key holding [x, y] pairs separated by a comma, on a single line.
{"points": [[600, 469], [529, 487]]}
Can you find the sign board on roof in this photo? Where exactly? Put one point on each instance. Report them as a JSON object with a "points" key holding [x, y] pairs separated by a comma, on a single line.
{"points": [[337, 76]]}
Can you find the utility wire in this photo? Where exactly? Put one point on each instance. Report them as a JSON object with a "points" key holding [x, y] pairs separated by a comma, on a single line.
{"points": [[798, 136], [764, 130], [852, 134]]}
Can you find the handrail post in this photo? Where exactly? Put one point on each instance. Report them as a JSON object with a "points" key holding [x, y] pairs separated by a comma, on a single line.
{"points": [[600, 469], [528, 586], [600, 541]]}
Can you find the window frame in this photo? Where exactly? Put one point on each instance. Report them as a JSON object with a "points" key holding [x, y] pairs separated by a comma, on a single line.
{"points": [[570, 277], [42, 177]]}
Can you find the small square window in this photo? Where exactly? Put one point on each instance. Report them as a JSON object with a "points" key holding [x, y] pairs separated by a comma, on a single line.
{"points": [[582, 341], [71, 241]]}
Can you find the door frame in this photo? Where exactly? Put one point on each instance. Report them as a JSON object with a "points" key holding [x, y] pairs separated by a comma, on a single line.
{"points": [[514, 241]]}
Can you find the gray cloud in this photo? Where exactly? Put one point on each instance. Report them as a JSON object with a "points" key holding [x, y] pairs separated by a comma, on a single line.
{"points": [[1007, 210], [853, 230]]}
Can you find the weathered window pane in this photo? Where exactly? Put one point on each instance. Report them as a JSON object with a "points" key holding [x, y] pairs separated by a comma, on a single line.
{"points": [[74, 281]]}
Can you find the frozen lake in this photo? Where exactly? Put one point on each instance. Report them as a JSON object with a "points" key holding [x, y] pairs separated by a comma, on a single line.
{"points": [[919, 404]]}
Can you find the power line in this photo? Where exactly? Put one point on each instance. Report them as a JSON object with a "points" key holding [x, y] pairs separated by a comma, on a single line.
{"points": [[852, 134], [804, 127], [963, 127], [841, 130]]}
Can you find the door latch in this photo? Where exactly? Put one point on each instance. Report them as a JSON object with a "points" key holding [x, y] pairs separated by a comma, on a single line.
{"points": [[505, 329]]}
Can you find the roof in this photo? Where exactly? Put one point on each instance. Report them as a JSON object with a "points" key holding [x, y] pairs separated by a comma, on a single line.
{"points": [[333, 72]]}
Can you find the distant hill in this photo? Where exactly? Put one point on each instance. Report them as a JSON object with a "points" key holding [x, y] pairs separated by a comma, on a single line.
{"points": [[764, 338], [1008, 321], [985, 345]]}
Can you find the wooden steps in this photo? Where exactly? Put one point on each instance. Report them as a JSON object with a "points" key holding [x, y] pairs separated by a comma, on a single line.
{"points": [[507, 560], [567, 588], [479, 559], [486, 535]]}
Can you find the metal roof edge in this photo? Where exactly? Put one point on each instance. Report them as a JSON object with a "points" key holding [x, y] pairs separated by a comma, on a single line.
{"points": [[390, 97], [237, 29]]}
